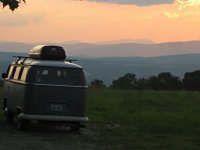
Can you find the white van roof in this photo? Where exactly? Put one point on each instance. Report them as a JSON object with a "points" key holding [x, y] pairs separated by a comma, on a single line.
{"points": [[49, 63], [54, 64]]}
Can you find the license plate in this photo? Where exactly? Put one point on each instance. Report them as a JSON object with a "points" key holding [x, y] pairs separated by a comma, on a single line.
{"points": [[56, 107]]}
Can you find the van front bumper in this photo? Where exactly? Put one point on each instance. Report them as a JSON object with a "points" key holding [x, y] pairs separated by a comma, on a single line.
{"points": [[53, 118]]}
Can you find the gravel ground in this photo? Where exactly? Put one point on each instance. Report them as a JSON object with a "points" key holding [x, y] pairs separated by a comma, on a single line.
{"points": [[45, 138]]}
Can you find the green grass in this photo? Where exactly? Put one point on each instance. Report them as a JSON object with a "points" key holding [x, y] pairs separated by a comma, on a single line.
{"points": [[142, 120], [146, 119]]}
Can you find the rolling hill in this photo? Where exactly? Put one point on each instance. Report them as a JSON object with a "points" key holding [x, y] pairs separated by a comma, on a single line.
{"points": [[109, 68], [112, 49]]}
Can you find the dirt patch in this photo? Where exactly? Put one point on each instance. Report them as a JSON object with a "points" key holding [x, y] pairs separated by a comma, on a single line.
{"points": [[44, 138]]}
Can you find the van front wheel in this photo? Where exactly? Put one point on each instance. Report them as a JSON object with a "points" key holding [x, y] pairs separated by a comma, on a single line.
{"points": [[75, 128], [22, 124], [9, 115]]}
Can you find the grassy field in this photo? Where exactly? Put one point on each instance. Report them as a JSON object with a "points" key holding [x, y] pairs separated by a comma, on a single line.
{"points": [[148, 120], [142, 120]]}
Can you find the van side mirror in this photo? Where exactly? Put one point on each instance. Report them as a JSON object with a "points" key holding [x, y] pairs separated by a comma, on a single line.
{"points": [[3, 75]]}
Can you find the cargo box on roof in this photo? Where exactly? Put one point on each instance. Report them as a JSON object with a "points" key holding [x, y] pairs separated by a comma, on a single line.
{"points": [[48, 52]]}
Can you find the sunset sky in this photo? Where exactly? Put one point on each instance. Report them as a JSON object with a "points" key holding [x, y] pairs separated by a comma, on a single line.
{"points": [[101, 20]]}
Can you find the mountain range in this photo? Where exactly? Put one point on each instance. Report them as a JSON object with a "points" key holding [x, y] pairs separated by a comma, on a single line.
{"points": [[112, 49]]}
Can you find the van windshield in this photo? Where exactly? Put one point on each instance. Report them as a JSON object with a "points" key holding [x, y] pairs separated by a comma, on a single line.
{"points": [[59, 76]]}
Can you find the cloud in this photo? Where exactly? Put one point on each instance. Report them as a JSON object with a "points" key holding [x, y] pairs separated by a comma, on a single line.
{"points": [[171, 15], [138, 2], [184, 8], [188, 3]]}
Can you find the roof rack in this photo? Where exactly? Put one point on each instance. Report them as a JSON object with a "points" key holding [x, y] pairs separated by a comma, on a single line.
{"points": [[19, 58], [25, 57], [70, 60]]}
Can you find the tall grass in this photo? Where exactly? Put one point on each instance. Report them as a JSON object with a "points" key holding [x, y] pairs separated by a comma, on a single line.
{"points": [[128, 116]]}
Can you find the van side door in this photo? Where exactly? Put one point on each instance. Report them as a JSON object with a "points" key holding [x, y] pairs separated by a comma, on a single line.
{"points": [[14, 95]]}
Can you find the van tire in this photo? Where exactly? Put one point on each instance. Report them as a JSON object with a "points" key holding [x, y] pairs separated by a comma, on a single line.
{"points": [[22, 124], [9, 116], [75, 128], [4, 104]]}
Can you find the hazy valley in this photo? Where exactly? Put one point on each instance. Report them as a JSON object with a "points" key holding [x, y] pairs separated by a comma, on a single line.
{"points": [[109, 68]]}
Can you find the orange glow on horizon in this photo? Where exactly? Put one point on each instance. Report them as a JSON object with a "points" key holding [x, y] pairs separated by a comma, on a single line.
{"points": [[88, 21]]}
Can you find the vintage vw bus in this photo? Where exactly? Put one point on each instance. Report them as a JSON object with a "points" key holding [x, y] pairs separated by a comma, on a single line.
{"points": [[45, 87]]}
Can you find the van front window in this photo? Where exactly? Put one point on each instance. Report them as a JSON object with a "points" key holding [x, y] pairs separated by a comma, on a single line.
{"points": [[60, 76]]}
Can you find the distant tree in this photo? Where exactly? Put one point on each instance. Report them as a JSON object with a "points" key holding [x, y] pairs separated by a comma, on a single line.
{"points": [[143, 84], [169, 81], [97, 84], [191, 80], [13, 4], [153, 83], [165, 81], [128, 81]]}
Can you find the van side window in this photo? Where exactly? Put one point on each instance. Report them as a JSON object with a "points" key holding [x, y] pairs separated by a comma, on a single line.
{"points": [[24, 74], [20, 73], [16, 76], [12, 72]]}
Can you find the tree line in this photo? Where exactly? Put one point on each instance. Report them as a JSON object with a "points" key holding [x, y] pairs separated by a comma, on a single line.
{"points": [[163, 81]]}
